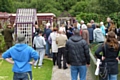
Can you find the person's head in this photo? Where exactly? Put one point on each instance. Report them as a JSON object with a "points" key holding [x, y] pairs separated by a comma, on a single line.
{"points": [[82, 22], [89, 25], [9, 25], [55, 29], [92, 21], [101, 23], [76, 32], [112, 40], [40, 33], [21, 38], [112, 22], [108, 19]]}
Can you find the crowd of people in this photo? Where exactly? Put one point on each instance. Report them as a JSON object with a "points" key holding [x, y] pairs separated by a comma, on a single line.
{"points": [[68, 42]]}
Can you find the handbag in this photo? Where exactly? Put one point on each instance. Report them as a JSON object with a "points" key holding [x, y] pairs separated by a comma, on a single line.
{"points": [[103, 70], [103, 73]]}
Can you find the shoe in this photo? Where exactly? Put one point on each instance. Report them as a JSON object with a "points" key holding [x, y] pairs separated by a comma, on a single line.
{"points": [[59, 67], [39, 67], [65, 67]]}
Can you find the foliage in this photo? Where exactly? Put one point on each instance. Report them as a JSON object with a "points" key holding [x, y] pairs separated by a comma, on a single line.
{"points": [[44, 73], [102, 8], [87, 17], [2, 44], [6, 5]]}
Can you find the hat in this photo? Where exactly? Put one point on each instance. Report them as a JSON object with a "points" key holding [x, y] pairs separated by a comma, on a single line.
{"points": [[21, 38], [84, 26]]}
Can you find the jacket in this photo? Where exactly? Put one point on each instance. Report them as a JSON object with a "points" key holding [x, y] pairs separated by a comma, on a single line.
{"points": [[21, 55], [77, 51], [110, 57], [98, 35], [7, 33]]}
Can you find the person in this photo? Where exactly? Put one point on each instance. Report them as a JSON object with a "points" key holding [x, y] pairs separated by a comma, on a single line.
{"points": [[7, 33], [39, 43], [90, 30], [112, 27], [48, 45], [108, 24], [85, 33], [98, 35], [77, 55], [93, 24], [102, 27], [110, 49], [22, 57], [54, 46], [61, 41]]}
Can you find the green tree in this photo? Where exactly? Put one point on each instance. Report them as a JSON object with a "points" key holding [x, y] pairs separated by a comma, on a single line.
{"points": [[108, 6], [6, 5]]}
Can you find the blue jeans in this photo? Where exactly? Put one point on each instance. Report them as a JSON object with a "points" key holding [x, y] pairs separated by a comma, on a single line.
{"points": [[47, 47], [112, 77], [22, 76], [81, 70]]}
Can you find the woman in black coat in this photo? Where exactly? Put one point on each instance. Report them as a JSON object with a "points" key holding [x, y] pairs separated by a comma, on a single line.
{"points": [[110, 51]]}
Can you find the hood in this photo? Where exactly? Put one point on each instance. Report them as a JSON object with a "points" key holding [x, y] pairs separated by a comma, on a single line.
{"points": [[98, 30], [20, 47], [76, 38]]}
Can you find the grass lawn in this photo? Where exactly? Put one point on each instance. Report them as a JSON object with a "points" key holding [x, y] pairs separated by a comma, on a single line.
{"points": [[44, 73]]}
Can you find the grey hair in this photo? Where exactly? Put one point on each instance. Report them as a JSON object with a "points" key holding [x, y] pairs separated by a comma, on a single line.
{"points": [[76, 32]]}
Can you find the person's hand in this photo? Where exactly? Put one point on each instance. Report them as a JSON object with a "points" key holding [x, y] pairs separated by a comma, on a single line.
{"points": [[117, 59], [32, 62], [88, 65], [103, 58]]}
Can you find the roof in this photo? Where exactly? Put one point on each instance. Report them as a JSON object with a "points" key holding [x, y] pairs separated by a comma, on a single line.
{"points": [[39, 14]]}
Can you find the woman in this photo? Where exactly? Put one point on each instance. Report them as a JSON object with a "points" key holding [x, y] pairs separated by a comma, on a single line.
{"points": [[53, 36], [85, 33], [110, 50], [112, 27]]}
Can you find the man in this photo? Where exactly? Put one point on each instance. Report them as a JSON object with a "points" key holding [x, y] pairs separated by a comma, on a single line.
{"points": [[48, 45], [40, 43], [7, 33], [21, 55], [77, 56], [61, 41]]}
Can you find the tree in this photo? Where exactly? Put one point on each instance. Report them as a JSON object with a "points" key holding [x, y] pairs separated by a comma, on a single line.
{"points": [[6, 5], [108, 6]]}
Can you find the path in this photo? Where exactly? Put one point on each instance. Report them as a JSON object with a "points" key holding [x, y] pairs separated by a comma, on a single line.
{"points": [[61, 74]]}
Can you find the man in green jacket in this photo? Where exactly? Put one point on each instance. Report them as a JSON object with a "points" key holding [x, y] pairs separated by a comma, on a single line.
{"points": [[7, 33]]}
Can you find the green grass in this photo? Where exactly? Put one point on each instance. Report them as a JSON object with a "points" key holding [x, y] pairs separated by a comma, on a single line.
{"points": [[44, 73]]}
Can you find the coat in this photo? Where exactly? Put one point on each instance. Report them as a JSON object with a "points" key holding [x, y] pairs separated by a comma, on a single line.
{"points": [[85, 35], [110, 57], [53, 36]]}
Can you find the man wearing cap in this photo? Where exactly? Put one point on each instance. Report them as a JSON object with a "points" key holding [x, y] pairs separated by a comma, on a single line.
{"points": [[20, 56], [7, 33]]}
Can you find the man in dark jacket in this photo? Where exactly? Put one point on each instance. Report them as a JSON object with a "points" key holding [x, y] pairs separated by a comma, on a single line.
{"points": [[77, 56], [7, 33]]}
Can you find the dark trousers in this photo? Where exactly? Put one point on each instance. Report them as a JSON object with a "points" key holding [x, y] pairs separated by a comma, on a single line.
{"points": [[22, 76], [61, 52], [8, 44], [55, 58]]}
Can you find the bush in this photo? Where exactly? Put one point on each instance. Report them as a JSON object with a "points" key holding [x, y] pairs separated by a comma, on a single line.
{"points": [[2, 44], [87, 17]]}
